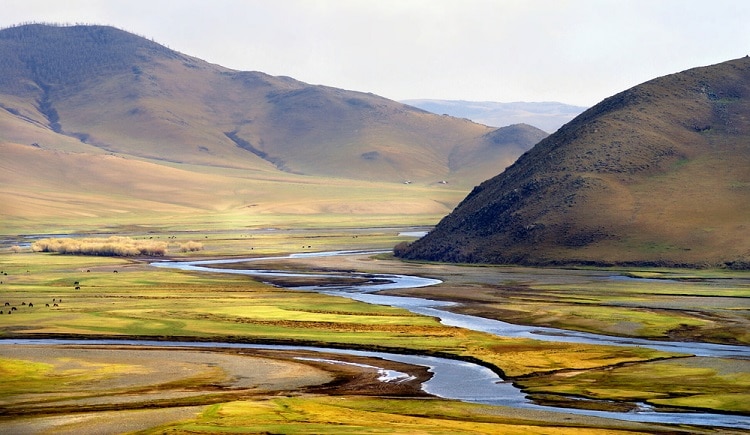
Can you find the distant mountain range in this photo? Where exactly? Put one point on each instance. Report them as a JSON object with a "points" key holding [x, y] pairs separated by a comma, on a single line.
{"points": [[548, 116], [92, 91], [657, 175]]}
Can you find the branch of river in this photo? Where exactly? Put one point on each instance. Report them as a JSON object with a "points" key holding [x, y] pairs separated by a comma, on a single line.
{"points": [[480, 385]]}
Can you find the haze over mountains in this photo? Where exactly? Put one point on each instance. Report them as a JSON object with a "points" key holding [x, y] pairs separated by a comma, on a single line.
{"points": [[548, 116], [657, 175], [79, 96]]}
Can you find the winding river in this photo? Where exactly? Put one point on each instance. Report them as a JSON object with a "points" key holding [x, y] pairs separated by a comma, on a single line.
{"points": [[478, 384]]}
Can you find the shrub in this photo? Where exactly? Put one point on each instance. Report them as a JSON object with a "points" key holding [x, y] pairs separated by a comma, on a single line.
{"points": [[191, 246], [115, 246]]}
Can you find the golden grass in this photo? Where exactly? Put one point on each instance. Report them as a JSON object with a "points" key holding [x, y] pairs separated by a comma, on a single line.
{"points": [[136, 192], [114, 246], [339, 415]]}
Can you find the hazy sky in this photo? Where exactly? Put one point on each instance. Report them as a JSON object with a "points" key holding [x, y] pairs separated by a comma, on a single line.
{"points": [[572, 51]]}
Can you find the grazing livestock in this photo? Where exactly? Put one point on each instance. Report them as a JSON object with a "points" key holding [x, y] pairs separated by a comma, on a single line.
{"points": [[46, 305], [23, 303], [55, 305], [30, 305], [13, 308], [7, 304], [78, 287], [76, 283]]}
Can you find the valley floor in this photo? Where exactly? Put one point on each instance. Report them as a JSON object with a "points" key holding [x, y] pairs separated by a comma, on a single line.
{"points": [[278, 392]]}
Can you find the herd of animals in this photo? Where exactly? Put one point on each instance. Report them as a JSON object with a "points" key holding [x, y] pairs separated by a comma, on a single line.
{"points": [[11, 308], [55, 301]]}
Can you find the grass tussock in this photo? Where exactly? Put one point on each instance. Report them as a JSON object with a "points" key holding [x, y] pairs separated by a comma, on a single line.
{"points": [[115, 246]]}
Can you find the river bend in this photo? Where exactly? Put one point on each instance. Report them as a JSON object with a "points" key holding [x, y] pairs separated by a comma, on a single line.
{"points": [[478, 384]]}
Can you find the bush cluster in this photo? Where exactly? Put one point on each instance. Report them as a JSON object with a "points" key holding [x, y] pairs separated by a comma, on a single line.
{"points": [[191, 246], [115, 246]]}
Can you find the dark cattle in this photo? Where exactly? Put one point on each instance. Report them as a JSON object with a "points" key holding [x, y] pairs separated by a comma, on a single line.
{"points": [[23, 303], [78, 288], [46, 305], [30, 305], [55, 305], [115, 271], [7, 304], [13, 308], [75, 283]]}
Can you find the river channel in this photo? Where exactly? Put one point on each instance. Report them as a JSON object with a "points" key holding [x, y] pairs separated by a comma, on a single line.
{"points": [[477, 384]]}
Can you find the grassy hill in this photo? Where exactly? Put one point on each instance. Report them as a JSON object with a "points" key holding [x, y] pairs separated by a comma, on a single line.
{"points": [[189, 134], [657, 175]]}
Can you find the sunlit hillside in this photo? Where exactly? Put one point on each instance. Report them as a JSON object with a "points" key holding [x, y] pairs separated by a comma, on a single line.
{"points": [[97, 121]]}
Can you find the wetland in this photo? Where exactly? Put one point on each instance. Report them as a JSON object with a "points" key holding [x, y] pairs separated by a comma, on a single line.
{"points": [[544, 367]]}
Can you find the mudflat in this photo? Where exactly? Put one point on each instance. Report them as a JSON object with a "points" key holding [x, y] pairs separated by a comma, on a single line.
{"points": [[58, 388]]}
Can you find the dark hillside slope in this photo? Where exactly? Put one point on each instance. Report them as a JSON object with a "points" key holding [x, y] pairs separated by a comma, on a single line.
{"points": [[116, 92], [656, 175]]}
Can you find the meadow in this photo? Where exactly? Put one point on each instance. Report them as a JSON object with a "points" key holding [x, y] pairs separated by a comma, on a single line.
{"points": [[125, 297]]}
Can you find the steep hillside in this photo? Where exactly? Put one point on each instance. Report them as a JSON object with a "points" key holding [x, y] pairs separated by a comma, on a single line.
{"points": [[658, 175], [548, 116]]}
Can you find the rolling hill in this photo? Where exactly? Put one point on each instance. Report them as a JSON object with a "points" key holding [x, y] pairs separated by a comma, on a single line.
{"points": [[656, 175], [94, 113]]}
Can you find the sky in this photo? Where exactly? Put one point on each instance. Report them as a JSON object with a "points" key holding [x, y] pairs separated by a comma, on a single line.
{"points": [[572, 51]]}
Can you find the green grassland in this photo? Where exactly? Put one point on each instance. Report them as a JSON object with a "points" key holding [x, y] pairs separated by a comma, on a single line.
{"points": [[141, 301], [147, 302], [710, 309], [701, 383]]}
